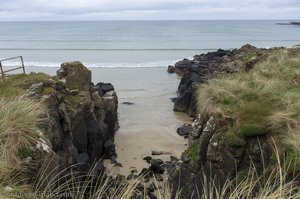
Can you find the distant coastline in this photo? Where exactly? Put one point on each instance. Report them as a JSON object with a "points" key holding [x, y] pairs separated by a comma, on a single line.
{"points": [[293, 23]]}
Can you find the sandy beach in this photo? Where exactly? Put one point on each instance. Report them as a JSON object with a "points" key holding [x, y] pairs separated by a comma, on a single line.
{"points": [[133, 146]]}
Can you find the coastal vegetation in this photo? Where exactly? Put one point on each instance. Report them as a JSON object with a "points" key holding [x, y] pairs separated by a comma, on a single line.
{"points": [[19, 117], [17, 84], [257, 104], [264, 100]]}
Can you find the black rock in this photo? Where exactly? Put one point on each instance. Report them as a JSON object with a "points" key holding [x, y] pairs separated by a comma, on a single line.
{"points": [[174, 99], [134, 171], [131, 177], [83, 162], [155, 152], [118, 164], [103, 88], [114, 160], [184, 130], [151, 188], [173, 159], [109, 149], [171, 69], [152, 195], [144, 172], [140, 187], [157, 166], [146, 178], [128, 103], [147, 159]]}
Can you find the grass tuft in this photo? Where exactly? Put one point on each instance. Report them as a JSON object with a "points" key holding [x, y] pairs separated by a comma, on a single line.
{"points": [[18, 131]]}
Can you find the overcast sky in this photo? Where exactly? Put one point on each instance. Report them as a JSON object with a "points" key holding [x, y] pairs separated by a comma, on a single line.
{"points": [[16, 10]]}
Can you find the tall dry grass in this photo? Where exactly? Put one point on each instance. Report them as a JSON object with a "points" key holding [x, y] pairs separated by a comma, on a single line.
{"points": [[18, 131]]}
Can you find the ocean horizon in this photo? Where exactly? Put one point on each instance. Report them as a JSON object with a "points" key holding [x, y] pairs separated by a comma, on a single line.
{"points": [[139, 43]]}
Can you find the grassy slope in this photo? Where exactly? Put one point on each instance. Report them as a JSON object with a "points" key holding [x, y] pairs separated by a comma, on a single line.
{"points": [[263, 100], [17, 84], [19, 116]]}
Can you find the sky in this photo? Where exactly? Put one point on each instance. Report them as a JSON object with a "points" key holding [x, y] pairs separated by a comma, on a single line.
{"points": [[61, 10]]}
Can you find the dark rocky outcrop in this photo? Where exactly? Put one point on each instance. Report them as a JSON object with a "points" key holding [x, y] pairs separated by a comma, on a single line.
{"points": [[210, 155], [81, 118], [216, 158], [206, 66]]}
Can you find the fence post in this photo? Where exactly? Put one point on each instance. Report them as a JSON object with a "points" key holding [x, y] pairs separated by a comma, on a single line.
{"points": [[1, 69], [23, 64]]}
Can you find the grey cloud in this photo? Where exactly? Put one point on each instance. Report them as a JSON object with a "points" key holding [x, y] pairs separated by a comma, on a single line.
{"points": [[148, 9]]}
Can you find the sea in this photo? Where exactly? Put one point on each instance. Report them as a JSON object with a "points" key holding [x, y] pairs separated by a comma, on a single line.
{"points": [[135, 43]]}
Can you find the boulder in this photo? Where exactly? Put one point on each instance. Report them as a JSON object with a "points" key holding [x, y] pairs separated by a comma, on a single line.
{"points": [[156, 152], [184, 130], [147, 159], [103, 88], [35, 89], [171, 69], [76, 75], [157, 166], [128, 103]]}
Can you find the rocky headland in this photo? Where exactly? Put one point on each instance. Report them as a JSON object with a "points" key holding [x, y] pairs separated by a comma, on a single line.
{"points": [[234, 132], [207, 66], [78, 122]]}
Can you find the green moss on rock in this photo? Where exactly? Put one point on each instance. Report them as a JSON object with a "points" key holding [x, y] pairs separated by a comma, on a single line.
{"points": [[73, 100], [48, 90], [193, 151], [252, 129], [234, 139]]}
